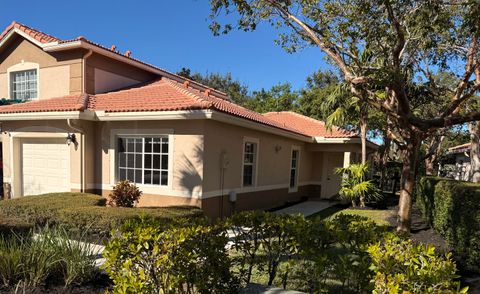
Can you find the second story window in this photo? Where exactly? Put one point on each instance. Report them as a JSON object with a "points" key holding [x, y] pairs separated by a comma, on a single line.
{"points": [[23, 85]]}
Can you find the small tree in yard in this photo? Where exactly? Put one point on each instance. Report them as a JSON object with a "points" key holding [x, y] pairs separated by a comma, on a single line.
{"points": [[124, 194], [355, 187], [388, 52]]}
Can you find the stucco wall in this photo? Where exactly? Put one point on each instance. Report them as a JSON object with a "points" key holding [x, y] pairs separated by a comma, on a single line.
{"points": [[187, 152], [104, 74], [59, 73], [273, 166]]}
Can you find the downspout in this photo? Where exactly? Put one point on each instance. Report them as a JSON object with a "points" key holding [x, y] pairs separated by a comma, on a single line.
{"points": [[82, 154], [79, 130], [84, 70]]}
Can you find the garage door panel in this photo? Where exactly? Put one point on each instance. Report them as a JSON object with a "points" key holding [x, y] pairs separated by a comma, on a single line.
{"points": [[45, 167]]}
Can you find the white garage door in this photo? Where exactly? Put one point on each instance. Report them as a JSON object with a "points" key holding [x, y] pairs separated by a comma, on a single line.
{"points": [[45, 166]]}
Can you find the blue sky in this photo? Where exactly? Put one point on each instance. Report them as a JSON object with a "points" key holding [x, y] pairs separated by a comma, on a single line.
{"points": [[171, 35]]}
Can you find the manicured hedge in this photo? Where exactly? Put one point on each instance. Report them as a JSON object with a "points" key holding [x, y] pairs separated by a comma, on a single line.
{"points": [[79, 212], [453, 210]]}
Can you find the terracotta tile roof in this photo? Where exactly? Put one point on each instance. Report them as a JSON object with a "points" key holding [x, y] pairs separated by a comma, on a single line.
{"points": [[231, 108], [157, 96], [308, 126], [37, 35], [67, 103], [161, 95]]}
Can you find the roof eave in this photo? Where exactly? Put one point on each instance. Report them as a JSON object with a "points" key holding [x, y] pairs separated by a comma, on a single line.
{"points": [[47, 115], [354, 140]]}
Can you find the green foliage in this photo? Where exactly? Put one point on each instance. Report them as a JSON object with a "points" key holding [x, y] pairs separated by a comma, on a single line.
{"points": [[124, 194], [280, 97], [453, 209], [148, 256], [42, 209], [145, 258], [77, 211], [27, 261], [354, 185], [424, 196], [401, 266], [237, 91]]}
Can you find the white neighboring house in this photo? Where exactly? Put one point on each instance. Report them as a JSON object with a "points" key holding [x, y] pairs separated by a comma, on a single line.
{"points": [[456, 165]]}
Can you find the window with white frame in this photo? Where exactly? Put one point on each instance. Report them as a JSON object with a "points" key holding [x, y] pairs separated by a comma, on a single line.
{"points": [[23, 85], [143, 160], [249, 163], [294, 169]]}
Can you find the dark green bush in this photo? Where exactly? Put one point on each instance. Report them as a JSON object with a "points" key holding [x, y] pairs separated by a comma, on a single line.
{"points": [[454, 212], [78, 211], [43, 209], [424, 196], [101, 220]]}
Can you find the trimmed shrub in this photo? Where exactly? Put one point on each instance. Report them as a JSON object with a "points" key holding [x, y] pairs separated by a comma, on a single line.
{"points": [[124, 194], [454, 212], [102, 220], [403, 267], [77, 212], [184, 259], [424, 196], [43, 209]]}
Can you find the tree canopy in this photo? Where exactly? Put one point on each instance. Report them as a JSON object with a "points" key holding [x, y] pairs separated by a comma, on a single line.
{"points": [[388, 52]]}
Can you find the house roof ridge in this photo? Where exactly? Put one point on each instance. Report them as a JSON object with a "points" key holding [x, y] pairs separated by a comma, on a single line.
{"points": [[34, 33], [137, 87], [82, 102], [185, 90], [317, 121]]}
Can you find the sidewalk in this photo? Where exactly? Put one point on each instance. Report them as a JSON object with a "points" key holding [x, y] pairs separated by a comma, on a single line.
{"points": [[307, 208]]}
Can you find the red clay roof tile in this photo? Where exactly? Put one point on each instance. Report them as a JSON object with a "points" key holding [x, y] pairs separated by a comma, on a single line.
{"points": [[37, 35], [67, 103], [308, 126]]}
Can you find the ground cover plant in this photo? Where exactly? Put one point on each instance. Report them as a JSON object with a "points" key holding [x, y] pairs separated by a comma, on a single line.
{"points": [[45, 257]]}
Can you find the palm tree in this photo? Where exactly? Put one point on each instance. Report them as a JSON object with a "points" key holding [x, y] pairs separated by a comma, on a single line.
{"points": [[355, 187]]}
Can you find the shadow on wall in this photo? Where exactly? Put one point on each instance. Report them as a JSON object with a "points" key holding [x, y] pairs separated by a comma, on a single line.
{"points": [[190, 179]]}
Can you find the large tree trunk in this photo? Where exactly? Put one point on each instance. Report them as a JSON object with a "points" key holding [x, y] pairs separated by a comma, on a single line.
{"points": [[434, 147], [474, 128], [363, 135], [407, 182]]}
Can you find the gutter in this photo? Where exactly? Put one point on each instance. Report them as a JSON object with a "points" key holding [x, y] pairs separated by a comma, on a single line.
{"points": [[82, 154]]}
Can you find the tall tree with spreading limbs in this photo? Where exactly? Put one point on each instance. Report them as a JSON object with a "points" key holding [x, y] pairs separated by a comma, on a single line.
{"points": [[387, 51]]}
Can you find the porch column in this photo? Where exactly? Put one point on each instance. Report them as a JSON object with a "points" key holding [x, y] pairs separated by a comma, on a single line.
{"points": [[346, 159]]}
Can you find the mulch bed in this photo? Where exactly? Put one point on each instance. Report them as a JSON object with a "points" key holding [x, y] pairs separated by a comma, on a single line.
{"points": [[421, 232]]}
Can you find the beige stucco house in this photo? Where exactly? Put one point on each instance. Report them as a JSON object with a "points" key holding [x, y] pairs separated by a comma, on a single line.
{"points": [[93, 116]]}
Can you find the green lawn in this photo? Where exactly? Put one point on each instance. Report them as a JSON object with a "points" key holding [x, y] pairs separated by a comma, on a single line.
{"points": [[379, 216]]}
